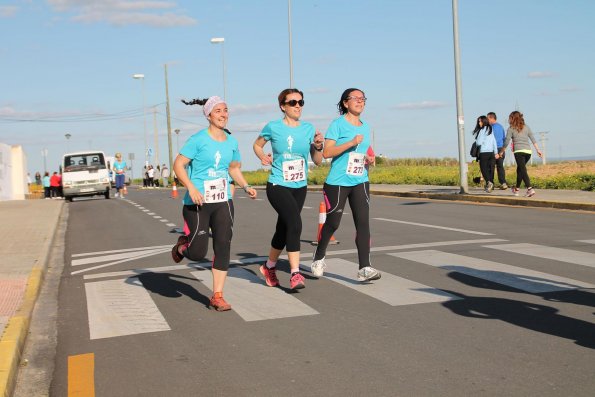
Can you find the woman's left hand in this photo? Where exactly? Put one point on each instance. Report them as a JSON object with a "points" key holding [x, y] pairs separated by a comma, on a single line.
{"points": [[251, 192], [318, 140], [539, 153]]}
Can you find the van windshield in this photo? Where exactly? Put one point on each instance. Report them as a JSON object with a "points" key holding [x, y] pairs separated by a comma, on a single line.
{"points": [[77, 162]]}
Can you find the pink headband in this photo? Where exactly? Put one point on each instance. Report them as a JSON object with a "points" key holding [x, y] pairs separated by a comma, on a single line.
{"points": [[211, 103]]}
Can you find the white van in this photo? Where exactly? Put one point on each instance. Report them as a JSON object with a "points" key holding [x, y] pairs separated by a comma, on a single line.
{"points": [[85, 174]]}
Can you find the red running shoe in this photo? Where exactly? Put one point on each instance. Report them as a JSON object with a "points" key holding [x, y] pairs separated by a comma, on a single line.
{"points": [[296, 281], [270, 275], [218, 303], [175, 252]]}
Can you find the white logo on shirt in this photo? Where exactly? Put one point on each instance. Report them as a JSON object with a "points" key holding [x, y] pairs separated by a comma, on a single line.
{"points": [[289, 143], [217, 159]]}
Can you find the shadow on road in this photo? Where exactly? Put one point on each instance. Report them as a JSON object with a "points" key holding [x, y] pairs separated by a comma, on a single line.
{"points": [[166, 284], [539, 318]]}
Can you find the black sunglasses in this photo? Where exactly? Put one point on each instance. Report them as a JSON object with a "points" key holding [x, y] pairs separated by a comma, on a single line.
{"points": [[293, 102]]}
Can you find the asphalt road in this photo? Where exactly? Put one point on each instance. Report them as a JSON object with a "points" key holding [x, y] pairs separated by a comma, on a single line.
{"points": [[474, 300]]}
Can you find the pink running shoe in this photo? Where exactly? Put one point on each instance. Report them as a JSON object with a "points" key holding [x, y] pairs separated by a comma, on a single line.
{"points": [[270, 275], [296, 281]]}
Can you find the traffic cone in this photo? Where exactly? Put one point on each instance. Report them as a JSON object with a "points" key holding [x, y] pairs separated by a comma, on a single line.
{"points": [[174, 190], [321, 220]]}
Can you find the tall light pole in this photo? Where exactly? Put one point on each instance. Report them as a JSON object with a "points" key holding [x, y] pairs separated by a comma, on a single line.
{"points": [[171, 164], [217, 40], [67, 135], [140, 76], [459, 93], [177, 131], [44, 153], [290, 48]]}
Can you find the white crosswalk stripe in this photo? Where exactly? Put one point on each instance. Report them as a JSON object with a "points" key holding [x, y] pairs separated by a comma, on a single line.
{"points": [[545, 252], [253, 300], [586, 241], [390, 289], [121, 307], [512, 276]]}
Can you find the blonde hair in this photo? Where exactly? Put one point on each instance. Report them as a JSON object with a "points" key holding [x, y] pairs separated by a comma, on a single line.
{"points": [[118, 155]]}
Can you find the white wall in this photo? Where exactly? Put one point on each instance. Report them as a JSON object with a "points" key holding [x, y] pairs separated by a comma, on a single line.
{"points": [[19, 173], [13, 172], [5, 172]]}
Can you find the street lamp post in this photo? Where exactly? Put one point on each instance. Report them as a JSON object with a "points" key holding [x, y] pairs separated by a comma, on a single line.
{"points": [[459, 95], [140, 76], [44, 153], [290, 48], [217, 40], [67, 135], [177, 131]]}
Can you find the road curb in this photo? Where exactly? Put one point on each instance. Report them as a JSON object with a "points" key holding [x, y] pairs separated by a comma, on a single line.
{"points": [[492, 200], [13, 339], [474, 198]]}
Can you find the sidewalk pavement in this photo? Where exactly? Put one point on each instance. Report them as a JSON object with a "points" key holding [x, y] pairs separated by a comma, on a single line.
{"points": [[28, 227], [26, 231]]}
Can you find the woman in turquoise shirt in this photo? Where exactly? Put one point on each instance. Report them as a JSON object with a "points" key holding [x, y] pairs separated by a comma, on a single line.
{"points": [[346, 142], [211, 156], [291, 140]]}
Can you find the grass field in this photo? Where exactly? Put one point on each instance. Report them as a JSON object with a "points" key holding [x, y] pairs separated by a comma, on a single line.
{"points": [[578, 175]]}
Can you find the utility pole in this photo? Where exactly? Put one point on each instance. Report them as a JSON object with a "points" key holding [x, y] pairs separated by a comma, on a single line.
{"points": [[156, 137], [543, 140], [290, 47], [459, 94], [168, 121]]}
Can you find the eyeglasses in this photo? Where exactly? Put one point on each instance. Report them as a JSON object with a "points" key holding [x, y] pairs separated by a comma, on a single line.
{"points": [[293, 102], [357, 98]]}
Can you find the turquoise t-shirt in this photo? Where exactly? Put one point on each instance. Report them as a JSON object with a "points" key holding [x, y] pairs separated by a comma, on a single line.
{"points": [[209, 162], [120, 166], [291, 147], [348, 168]]}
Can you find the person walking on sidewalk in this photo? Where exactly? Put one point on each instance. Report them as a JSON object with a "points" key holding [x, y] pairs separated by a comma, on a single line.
{"points": [[499, 134], [291, 141], [488, 151], [46, 185], [521, 134], [346, 142], [210, 155], [119, 168], [55, 185], [165, 175]]}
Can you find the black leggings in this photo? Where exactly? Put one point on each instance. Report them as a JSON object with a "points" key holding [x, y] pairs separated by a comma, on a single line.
{"points": [[288, 203], [486, 165], [198, 219], [521, 169], [359, 201]]}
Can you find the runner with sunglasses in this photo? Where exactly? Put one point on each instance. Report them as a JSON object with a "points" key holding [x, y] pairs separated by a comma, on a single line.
{"points": [[346, 142], [211, 155], [291, 141]]}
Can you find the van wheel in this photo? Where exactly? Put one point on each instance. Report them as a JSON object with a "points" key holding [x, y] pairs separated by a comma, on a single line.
{"points": [[69, 199], [107, 194]]}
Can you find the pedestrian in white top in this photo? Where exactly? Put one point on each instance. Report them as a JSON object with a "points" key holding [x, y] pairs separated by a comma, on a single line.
{"points": [[165, 175]]}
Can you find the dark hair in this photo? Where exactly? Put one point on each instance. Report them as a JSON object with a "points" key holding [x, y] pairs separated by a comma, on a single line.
{"points": [[286, 92], [196, 101], [342, 108], [486, 124], [492, 114]]}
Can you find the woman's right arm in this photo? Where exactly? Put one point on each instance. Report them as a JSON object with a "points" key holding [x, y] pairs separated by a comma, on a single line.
{"points": [[506, 141], [180, 169], [265, 159]]}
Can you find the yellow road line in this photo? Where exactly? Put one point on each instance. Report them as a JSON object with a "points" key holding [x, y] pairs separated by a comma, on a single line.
{"points": [[81, 375]]}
